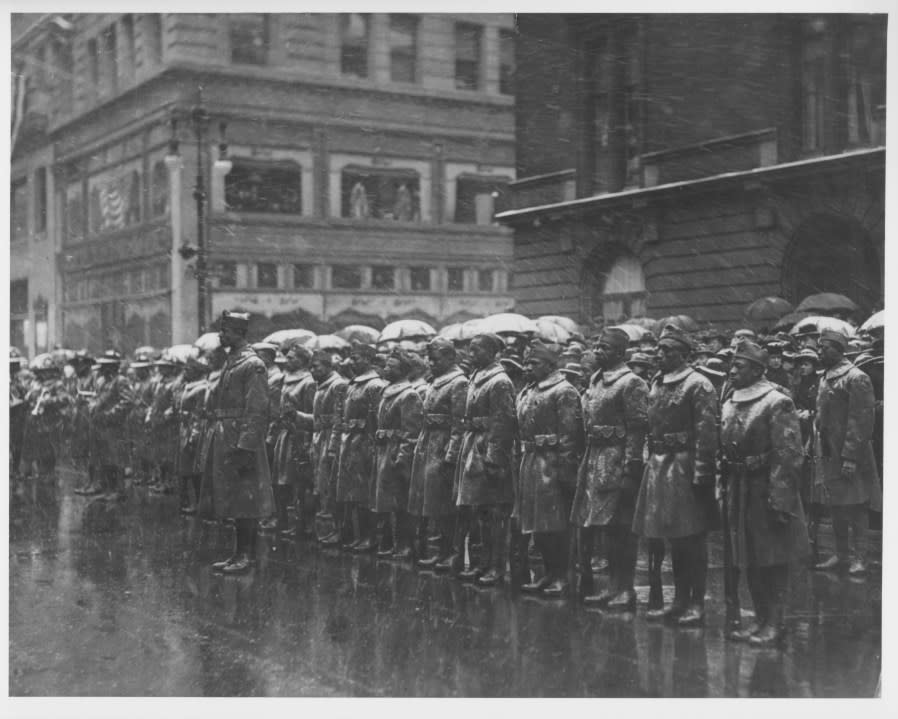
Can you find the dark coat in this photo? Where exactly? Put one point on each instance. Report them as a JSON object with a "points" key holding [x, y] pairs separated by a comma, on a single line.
{"points": [[293, 439], [79, 419], [275, 384], [615, 410], [484, 475], [844, 424], [682, 416], [398, 425], [190, 409], [438, 445], [163, 419], [355, 471], [142, 392], [206, 503], [240, 407], [550, 427], [761, 441], [327, 411], [108, 418]]}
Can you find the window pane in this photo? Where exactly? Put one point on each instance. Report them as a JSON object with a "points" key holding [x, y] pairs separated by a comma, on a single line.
{"points": [[403, 47], [110, 56], [485, 280], [227, 274], [382, 194], [18, 297], [383, 277], [74, 212], [467, 56], [267, 274], [159, 190], [303, 276], [253, 186], [346, 277], [249, 39], [18, 206], [94, 60], [477, 199], [420, 279], [354, 44], [506, 62], [456, 277]]}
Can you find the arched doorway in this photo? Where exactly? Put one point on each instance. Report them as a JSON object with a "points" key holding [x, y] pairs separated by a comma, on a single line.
{"points": [[831, 253], [614, 289]]}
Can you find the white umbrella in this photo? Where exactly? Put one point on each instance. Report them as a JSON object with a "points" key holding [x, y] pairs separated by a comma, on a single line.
{"points": [[876, 322], [327, 342], [634, 332], [406, 330], [549, 331], [507, 322], [281, 336], [208, 342], [566, 322], [182, 353], [823, 323]]}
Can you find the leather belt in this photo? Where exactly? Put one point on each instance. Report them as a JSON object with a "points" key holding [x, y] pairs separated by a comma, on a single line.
{"points": [[476, 424], [751, 462], [355, 426], [438, 420], [540, 442], [607, 434], [385, 435], [670, 443]]}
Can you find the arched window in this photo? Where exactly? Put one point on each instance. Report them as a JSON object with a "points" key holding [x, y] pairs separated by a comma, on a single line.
{"points": [[623, 292]]}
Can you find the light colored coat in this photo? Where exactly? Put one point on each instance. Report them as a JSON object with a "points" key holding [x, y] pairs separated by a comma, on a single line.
{"points": [[398, 425], [293, 435], [355, 471], [327, 411]]}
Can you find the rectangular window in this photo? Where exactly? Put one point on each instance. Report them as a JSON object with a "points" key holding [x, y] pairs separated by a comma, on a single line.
{"points": [[403, 48], [383, 277], [456, 279], [18, 297], [93, 61], [128, 55], [152, 25], [260, 186], [18, 209], [381, 193], [467, 56], [346, 277], [249, 38], [63, 63], [267, 275], [420, 279], [506, 62], [40, 199], [303, 276], [354, 29], [485, 280], [110, 58], [227, 274], [478, 198]]}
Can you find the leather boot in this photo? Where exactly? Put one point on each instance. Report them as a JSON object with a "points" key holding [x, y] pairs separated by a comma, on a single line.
{"points": [[681, 582], [405, 536], [624, 601], [857, 546], [655, 607], [240, 565], [537, 586], [498, 555]]}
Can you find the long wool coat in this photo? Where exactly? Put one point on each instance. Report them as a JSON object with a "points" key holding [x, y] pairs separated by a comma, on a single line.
{"points": [[484, 475], [108, 418], [398, 424], [438, 445], [761, 439], [844, 424], [206, 503], [163, 420], [239, 408], [143, 392], [615, 418], [550, 427], [355, 470], [293, 439], [327, 411], [80, 415], [190, 403], [683, 443], [275, 385]]}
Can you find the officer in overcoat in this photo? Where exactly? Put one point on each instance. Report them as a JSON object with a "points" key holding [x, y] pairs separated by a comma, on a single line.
{"points": [[327, 410], [550, 428], [761, 462], [437, 448], [805, 390], [484, 476], [845, 465], [267, 352], [355, 470], [239, 460], [615, 420], [190, 402], [676, 496], [108, 417], [399, 418], [292, 462]]}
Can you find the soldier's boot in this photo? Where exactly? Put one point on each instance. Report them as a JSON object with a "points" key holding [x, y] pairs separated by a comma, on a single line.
{"points": [[183, 500], [498, 550], [559, 549], [697, 582], [543, 543], [455, 562], [367, 531], [444, 546], [758, 600], [385, 535], [609, 544], [681, 569], [774, 584], [625, 599], [246, 530], [335, 538], [520, 559], [857, 552], [655, 608], [405, 536], [479, 563], [841, 529]]}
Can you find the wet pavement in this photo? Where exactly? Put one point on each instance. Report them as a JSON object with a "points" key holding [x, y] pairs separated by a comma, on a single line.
{"points": [[123, 603]]}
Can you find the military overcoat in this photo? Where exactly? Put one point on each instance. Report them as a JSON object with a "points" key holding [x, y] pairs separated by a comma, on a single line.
{"points": [[240, 407], [163, 419], [275, 386], [438, 445], [327, 411], [206, 503], [293, 440], [48, 404], [398, 424], [108, 419], [615, 420], [550, 427], [844, 424], [682, 416], [142, 392], [761, 441], [80, 414], [190, 406], [484, 475], [355, 470]]}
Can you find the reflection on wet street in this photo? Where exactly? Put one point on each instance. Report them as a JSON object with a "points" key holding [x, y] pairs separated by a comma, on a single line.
{"points": [[124, 603]]}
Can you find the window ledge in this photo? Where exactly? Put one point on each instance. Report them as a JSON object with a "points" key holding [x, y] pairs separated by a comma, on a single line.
{"points": [[284, 219]]}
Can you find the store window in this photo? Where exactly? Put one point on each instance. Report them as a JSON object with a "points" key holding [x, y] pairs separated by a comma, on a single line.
{"points": [[227, 274], [249, 38], [74, 212], [18, 209], [420, 279], [506, 61], [383, 277], [303, 276], [346, 277], [467, 56], [403, 48], [485, 280], [354, 30], [455, 279], [258, 186], [479, 198], [267, 275], [159, 189], [381, 193]]}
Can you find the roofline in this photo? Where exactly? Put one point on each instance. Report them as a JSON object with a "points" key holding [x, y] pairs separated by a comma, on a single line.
{"points": [[707, 184]]}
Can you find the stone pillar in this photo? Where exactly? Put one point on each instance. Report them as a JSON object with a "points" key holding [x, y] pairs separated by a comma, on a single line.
{"points": [[180, 333], [220, 170]]}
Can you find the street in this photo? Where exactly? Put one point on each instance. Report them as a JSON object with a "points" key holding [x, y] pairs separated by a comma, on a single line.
{"points": [[123, 603]]}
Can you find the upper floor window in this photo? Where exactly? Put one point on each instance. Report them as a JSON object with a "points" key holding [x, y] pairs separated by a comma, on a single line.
{"points": [[506, 62], [93, 61], [382, 193], [354, 29], [40, 199], [455, 277], [128, 52], [18, 297], [479, 198], [227, 273], [110, 58], [813, 84], [267, 275], [623, 291], [346, 277], [485, 281], [420, 279], [260, 186], [383, 277], [303, 276], [18, 209], [467, 56], [403, 48], [249, 38], [159, 190], [866, 73]]}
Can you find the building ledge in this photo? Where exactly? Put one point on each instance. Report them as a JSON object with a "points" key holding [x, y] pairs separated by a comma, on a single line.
{"points": [[255, 219], [638, 196]]}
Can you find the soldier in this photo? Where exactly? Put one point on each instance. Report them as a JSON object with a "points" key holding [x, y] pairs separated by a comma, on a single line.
{"points": [[292, 463], [614, 414], [242, 485], [436, 451], [206, 504], [550, 426], [81, 388], [143, 391], [484, 477], [762, 456], [845, 466], [108, 414], [327, 410], [18, 411], [268, 353], [417, 375], [676, 497], [399, 418], [48, 402], [162, 420], [805, 397], [642, 365], [355, 470], [189, 406]]}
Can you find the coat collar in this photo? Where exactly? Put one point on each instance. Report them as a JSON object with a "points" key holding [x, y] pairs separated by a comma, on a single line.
{"points": [[294, 377], [835, 372], [366, 377], [448, 377], [391, 390], [555, 378], [676, 376], [334, 376], [612, 376], [487, 372], [240, 354], [753, 392]]}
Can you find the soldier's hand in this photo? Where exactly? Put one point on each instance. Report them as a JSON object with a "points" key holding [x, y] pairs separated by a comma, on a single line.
{"points": [[848, 469]]}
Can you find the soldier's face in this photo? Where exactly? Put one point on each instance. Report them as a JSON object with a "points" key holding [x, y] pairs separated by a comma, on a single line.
{"points": [[669, 358], [744, 373], [319, 370], [293, 363], [538, 368], [393, 370], [439, 362], [481, 356], [359, 363], [229, 336], [830, 353]]}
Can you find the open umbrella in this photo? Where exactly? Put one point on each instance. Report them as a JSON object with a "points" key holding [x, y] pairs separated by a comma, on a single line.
{"points": [[506, 323], [358, 333], [182, 353], [406, 330], [565, 322], [281, 336], [549, 331], [208, 342], [786, 322], [684, 322], [765, 310], [826, 302], [876, 322], [150, 351], [821, 323], [327, 342], [648, 323], [62, 355], [634, 332]]}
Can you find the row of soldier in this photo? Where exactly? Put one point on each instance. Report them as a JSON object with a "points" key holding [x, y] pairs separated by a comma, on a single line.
{"points": [[504, 447]]}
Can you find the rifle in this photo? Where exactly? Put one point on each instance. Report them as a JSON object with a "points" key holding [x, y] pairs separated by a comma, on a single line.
{"points": [[730, 572]]}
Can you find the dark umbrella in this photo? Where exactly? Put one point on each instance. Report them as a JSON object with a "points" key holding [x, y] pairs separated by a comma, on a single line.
{"points": [[767, 309], [827, 302], [786, 322]]}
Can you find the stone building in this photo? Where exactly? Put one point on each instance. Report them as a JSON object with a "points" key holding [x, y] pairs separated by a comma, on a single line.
{"points": [[354, 164], [674, 164]]}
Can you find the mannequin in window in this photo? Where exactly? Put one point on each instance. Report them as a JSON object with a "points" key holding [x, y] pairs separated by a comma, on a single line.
{"points": [[358, 201], [403, 209]]}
